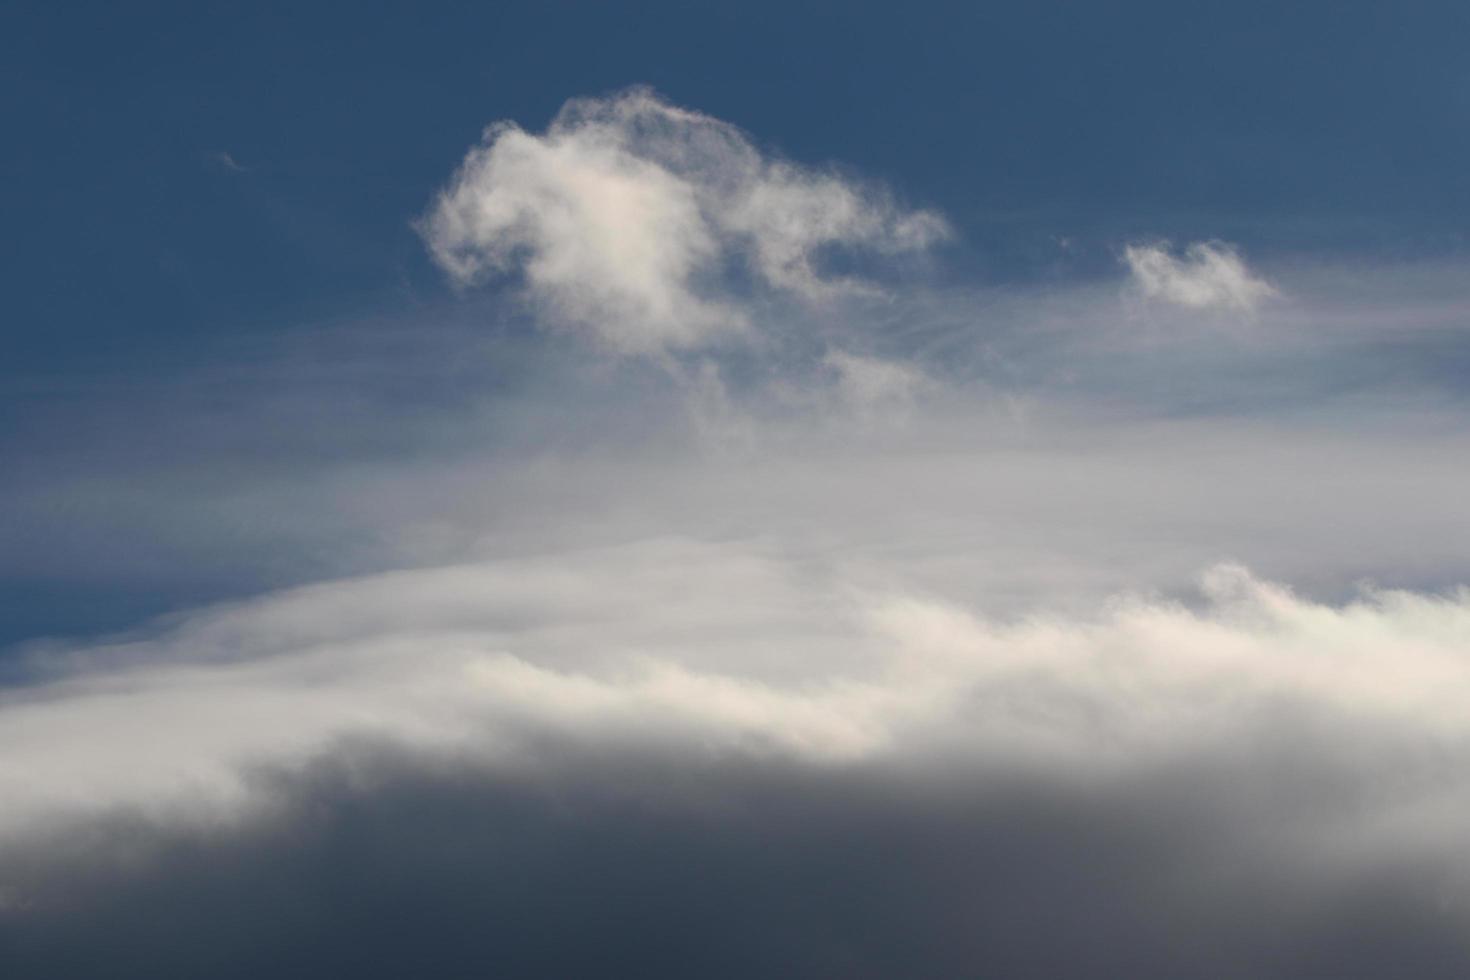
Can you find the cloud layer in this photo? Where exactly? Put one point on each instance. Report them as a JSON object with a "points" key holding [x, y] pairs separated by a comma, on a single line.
{"points": [[683, 643]]}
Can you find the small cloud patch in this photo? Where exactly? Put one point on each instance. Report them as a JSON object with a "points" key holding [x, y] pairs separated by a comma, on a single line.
{"points": [[1206, 276]]}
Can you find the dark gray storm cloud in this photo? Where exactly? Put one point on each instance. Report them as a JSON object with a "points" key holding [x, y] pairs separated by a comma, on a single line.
{"points": [[380, 864]]}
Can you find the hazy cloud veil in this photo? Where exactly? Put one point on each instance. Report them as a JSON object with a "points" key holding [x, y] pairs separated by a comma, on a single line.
{"points": [[797, 612]]}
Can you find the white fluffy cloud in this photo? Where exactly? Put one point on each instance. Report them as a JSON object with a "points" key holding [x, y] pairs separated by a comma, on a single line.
{"points": [[1209, 275], [629, 217]]}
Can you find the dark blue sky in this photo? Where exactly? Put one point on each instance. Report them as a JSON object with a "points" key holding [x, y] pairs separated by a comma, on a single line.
{"points": [[178, 176], [1341, 126]]}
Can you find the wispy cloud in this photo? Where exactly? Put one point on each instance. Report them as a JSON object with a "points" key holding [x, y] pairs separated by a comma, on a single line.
{"points": [[222, 160], [1208, 275], [872, 385]]}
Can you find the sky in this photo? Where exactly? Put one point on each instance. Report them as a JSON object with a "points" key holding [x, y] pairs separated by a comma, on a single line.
{"points": [[688, 490]]}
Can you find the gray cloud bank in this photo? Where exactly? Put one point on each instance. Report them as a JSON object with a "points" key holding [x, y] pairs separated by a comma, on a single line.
{"points": [[657, 865], [771, 622]]}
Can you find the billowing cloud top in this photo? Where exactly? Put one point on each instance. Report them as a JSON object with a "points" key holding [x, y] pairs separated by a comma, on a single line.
{"points": [[630, 217], [671, 643]]}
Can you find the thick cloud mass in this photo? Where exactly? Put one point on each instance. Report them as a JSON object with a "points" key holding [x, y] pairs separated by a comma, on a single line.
{"points": [[678, 757], [825, 630]]}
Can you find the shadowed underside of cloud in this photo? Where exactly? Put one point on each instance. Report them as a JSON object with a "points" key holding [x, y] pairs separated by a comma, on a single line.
{"points": [[663, 864]]}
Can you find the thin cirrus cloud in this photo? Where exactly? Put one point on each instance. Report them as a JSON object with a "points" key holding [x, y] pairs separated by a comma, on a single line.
{"points": [[1206, 276], [626, 216]]}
